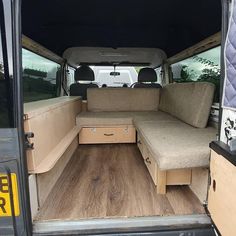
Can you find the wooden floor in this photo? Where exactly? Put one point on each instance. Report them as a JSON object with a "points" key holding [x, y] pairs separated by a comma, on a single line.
{"points": [[112, 181]]}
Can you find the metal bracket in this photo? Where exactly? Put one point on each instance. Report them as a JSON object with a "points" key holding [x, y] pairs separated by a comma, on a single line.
{"points": [[28, 144]]}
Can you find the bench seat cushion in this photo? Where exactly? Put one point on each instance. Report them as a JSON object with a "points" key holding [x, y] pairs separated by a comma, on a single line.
{"points": [[176, 145], [159, 116], [86, 119]]}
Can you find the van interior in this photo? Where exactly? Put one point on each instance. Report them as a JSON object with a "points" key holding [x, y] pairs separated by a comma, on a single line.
{"points": [[118, 151]]}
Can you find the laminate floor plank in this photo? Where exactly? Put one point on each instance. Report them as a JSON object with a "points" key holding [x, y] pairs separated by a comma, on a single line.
{"points": [[103, 181]]}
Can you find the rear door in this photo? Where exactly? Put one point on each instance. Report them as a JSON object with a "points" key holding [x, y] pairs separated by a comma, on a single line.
{"points": [[222, 190], [14, 199]]}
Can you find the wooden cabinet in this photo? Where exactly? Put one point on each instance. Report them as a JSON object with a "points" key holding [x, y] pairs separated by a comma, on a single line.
{"points": [[222, 193], [53, 123], [118, 134]]}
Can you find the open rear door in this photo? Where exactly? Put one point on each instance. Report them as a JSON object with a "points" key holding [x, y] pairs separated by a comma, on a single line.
{"points": [[14, 200], [222, 191]]}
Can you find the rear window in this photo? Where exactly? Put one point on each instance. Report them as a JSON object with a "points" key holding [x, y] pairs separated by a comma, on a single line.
{"points": [[41, 77], [107, 75]]}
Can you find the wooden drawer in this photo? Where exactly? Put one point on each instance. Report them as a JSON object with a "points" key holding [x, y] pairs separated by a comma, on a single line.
{"points": [[140, 143], [171, 177], [120, 134], [148, 159], [152, 166], [142, 147]]}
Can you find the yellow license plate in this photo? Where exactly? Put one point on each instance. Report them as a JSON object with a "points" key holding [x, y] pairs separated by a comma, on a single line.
{"points": [[5, 202]]}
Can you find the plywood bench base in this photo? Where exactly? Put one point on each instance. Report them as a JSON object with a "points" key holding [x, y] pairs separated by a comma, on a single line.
{"points": [[162, 178], [53, 123], [172, 177]]}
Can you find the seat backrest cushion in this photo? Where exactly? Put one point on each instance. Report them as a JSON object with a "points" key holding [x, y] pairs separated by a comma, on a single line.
{"points": [[83, 73], [123, 99], [189, 102], [147, 75], [151, 85], [78, 89]]}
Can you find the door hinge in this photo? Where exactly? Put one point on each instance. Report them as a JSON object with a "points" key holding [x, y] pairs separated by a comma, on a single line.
{"points": [[28, 144]]}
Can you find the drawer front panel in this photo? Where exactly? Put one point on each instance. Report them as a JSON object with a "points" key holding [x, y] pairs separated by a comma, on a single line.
{"points": [[142, 147], [152, 167], [140, 144], [94, 135]]}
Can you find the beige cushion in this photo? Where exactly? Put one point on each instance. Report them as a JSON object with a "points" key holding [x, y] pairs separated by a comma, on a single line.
{"points": [[190, 102], [86, 119], [172, 143], [123, 99], [159, 116], [177, 145]]}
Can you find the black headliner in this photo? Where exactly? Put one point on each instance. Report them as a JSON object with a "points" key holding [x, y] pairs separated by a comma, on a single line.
{"points": [[171, 25]]}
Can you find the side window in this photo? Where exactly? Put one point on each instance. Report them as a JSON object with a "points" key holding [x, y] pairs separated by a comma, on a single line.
{"points": [[201, 67], [159, 75], [41, 77], [70, 76]]}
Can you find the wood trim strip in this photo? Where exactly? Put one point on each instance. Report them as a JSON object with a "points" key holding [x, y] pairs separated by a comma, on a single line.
{"points": [[39, 49], [210, 42]]}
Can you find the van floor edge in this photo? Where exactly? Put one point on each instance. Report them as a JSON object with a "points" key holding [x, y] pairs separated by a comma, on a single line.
{"points": [[102, 181]]}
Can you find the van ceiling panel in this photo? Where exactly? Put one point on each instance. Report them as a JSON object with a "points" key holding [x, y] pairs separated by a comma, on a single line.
{"points": [[120, 56], [171, 25]]}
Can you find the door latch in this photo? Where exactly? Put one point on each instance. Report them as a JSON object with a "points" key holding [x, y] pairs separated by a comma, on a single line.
{"points": [[28, 144]]}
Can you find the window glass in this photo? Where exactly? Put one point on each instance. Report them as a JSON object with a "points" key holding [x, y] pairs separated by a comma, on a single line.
{"points": [[159, 75], [1, 61], [202, 67], [115, 77], [6, 74], [41, 77], [70, 76], [4, 120]]}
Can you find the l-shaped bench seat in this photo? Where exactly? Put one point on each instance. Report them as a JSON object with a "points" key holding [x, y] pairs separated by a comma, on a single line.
{"points": [[170, 123]]}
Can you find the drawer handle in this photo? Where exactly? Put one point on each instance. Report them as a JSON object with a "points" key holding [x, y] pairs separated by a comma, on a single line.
{"points": [[108, 134], [148, 160]]}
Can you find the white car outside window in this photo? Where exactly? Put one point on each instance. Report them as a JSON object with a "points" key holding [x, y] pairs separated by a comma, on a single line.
{"points": [[123, 75]]}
